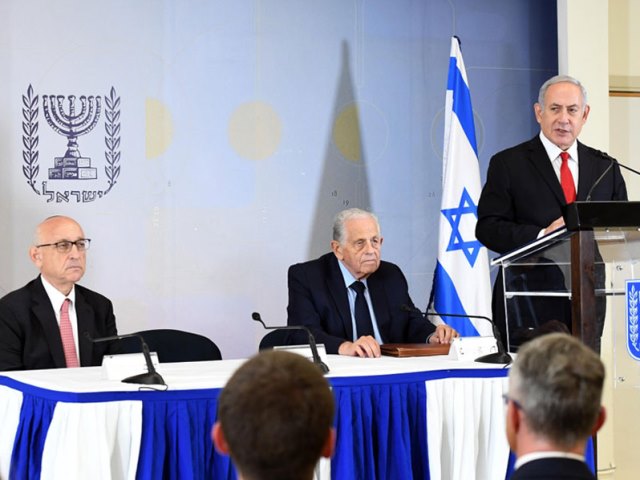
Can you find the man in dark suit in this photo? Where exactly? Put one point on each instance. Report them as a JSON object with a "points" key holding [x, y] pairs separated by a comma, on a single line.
{"points": [[554, 405], [324, 294], [43, 324], [529, 185]]}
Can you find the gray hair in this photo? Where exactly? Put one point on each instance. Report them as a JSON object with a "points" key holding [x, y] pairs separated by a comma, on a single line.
{"points": [[557, 382], [349, 214], [561, 79]]}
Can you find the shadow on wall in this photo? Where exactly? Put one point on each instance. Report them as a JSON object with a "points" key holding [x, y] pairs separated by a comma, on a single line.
{"points": [[344, 182]]}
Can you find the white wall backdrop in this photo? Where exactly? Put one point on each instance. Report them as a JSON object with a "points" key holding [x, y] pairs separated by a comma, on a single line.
{"points": [[237, 129]]}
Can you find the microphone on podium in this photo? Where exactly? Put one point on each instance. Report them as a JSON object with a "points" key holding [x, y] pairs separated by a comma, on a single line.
{"points": [[612, 161], [152, 377], [312, 340], [498, 357]]}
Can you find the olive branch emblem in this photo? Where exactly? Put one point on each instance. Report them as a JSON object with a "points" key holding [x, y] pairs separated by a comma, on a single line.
{"points": [[30, 138], [633, 316], [112, 139]]}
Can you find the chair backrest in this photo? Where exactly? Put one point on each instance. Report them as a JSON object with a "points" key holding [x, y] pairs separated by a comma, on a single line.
{"points": [[275, 338], [174, 346]]}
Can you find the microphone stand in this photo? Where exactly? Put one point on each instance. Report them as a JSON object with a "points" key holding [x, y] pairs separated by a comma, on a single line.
{"points": [[606, 156], [498, 357], [611, 160], [151, 377], [312, 340]]}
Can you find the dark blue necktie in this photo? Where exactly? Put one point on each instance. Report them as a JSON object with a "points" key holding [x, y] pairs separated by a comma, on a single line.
{"points": [[364, 326]]}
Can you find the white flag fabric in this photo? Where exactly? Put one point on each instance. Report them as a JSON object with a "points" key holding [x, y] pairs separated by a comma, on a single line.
{"points": [[462, 285]]}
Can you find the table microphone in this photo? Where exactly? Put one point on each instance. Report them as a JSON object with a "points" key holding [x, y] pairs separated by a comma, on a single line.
{"points": [[151, 377], [498, 357], [312, 340]]}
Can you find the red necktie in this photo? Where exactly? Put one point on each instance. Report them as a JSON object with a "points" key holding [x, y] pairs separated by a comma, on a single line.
{"points": [[66, 332], [566, 179]]}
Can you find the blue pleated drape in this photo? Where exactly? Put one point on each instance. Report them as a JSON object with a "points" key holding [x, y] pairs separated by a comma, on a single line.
{"points": [[35, 418], [381, 431], [176, 439]]}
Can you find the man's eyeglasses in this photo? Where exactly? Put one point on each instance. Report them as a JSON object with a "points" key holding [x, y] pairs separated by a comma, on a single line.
{"points": [[65, 246], [507, 399]]}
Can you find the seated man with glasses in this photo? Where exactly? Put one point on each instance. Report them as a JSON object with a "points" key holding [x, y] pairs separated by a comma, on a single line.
{"points": [[44, 324], [554, 405]]}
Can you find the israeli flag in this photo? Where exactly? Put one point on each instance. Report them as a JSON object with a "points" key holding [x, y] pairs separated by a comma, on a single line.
{"points": [[461, 282]]}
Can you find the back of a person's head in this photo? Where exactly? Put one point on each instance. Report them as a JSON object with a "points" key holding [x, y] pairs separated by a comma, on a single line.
{"points": [[276, 413], [557, 382]]}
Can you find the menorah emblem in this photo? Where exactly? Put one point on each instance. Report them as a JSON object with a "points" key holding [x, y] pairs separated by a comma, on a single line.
{"points": [[72, 165]]}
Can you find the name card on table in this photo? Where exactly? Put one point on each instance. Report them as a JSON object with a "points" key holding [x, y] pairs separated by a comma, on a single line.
{"points": [[470, 348], [124, 365]]}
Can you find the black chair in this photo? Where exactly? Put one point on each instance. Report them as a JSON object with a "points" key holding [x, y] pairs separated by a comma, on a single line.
{"points": [[174, 346], [275, 338]]}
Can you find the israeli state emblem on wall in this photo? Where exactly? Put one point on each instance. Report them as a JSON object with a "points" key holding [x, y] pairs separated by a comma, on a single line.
{"points": [[632, 291], [67, 172]]}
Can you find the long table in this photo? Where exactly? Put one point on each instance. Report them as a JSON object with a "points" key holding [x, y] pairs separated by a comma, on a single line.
{"points": [[395, 418]]}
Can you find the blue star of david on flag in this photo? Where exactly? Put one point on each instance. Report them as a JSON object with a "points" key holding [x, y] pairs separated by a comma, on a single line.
{"points": [[470, 248]]}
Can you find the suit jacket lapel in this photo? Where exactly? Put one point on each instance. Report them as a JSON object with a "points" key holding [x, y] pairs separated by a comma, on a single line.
{"points": [[337, 289], [86, 324], [540, 160], [43, 311]]}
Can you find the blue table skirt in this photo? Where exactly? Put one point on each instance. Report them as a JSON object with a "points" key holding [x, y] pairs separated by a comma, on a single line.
{"points": [[176, 431], [380, 424]]}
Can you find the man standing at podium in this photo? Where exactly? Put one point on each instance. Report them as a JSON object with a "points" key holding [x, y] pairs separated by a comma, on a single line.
{"points": [[42, 324], [351, 300], [529, 185]]}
